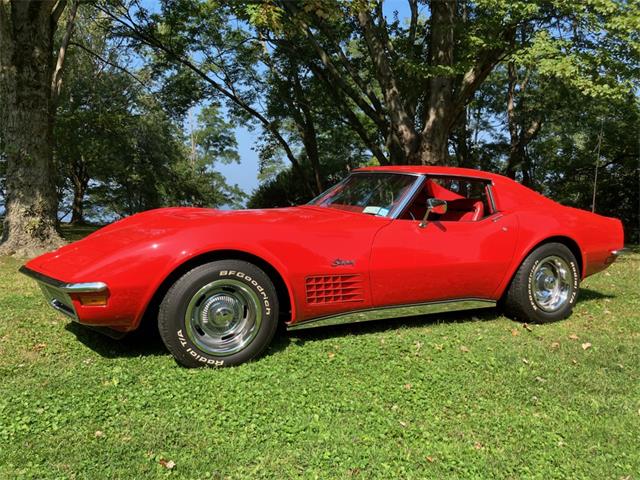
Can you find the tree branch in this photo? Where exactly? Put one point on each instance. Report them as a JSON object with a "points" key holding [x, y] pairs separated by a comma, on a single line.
{"points": [[56, 12], [107, 62], [152, 41], [56, 81], [401, 123]]}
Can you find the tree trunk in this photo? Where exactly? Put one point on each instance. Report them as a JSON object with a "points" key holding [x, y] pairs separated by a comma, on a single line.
{"points": [[516, 154], [402, 139], [80, 183], [520, 134], [26, 45], [462, 142], [439, 104]]}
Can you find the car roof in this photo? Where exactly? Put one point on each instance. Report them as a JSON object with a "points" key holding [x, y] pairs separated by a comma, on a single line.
{"points": [[429, 170]]}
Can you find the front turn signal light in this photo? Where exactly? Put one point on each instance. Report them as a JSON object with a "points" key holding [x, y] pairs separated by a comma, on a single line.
{"points": [[97, 299]]}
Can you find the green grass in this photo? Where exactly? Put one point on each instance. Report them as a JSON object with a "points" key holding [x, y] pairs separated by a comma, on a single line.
{"points": [[465, 395]]}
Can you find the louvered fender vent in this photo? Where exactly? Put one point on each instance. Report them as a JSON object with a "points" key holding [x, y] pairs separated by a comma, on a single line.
{"points": [[323, 289]]}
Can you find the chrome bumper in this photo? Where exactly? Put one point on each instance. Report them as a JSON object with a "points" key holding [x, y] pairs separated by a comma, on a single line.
{"points": [[58, 293], [622, 251]]}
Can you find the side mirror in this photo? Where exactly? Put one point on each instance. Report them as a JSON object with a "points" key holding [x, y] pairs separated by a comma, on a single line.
{"points": [[434, 205]]}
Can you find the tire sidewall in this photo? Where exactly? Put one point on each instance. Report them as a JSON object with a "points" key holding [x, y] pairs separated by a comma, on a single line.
{"points": [[530, 265], [172, 321]]}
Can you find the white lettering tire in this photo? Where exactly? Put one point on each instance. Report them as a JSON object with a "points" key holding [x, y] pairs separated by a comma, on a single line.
{"points": [[219, 314], [545, 287]]}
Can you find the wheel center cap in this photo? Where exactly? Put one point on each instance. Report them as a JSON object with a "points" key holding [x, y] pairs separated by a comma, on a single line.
{"points": [[222, 315], [549, 282]]}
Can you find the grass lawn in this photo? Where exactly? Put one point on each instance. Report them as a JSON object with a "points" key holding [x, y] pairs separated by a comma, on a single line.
{"points": [[465, 395]]}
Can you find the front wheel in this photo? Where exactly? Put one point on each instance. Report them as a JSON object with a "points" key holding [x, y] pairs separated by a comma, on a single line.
{"points": [[545, 287], [219, 314]]}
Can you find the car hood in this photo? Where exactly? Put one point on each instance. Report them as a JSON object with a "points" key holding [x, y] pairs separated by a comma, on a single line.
{"points": [[151, 233]]}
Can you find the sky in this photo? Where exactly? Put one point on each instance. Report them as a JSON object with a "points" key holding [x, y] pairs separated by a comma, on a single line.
{"points": [[244, 175]]}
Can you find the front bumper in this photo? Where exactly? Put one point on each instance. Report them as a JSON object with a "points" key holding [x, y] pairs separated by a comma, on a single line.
{"points": [[58, 293]]}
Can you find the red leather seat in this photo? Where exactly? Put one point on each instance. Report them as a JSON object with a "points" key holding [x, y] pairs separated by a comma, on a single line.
{"points": [[463, 210]]}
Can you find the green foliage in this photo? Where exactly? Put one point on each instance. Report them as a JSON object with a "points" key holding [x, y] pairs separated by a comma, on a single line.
{"points": [[121, 147], [462, 395], [566, 153]]}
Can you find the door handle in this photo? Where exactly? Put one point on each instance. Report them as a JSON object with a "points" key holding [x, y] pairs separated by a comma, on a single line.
{"points": [[497, 217]]}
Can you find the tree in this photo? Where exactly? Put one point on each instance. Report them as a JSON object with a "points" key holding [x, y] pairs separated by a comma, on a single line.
{"points": [[95, 111], [199, 53], [29, 84], [414, 79], [566, 151]]}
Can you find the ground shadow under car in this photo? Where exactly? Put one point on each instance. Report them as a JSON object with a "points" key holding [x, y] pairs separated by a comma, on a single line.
{"points": [[149, 343]]}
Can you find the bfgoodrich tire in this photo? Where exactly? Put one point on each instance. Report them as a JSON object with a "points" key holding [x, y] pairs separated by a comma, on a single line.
{"points": [[219, 314], [545, 287]]}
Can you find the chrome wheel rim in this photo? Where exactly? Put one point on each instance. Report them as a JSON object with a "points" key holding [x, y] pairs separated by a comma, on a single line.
{"points": [[223, 317], [551, 283]]}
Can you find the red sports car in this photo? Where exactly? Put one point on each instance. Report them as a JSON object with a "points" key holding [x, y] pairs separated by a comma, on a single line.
{"points": [[385, 242]]}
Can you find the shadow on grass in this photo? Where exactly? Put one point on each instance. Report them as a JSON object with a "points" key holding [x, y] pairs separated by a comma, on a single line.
{"points": [[135, 344], [148, 342], [587, 295], [375, 326]]}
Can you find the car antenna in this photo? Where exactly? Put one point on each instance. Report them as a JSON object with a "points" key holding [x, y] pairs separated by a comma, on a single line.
{"points": [[595, 178]]}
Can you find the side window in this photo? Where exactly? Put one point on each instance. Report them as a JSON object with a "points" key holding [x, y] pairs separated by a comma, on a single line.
{"points": [[467, 199]]}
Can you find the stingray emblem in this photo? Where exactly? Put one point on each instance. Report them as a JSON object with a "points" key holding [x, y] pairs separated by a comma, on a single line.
{"points": [[338, 262]]}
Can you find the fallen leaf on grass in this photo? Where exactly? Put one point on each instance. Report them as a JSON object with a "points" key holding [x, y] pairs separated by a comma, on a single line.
{"points": [[98, 434], [168, 464], [404, 424], [331, 355], [515, 332], [586, 345], [573, 336], [478, 446], [527, 327], [525, 361], [540, 379], [438, 346], [430, 459], [555, 345], [38, 347], [464, 349], [407, 386]]}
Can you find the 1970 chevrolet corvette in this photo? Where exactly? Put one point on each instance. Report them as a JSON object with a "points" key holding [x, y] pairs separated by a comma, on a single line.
{"points": [[385, 242]]}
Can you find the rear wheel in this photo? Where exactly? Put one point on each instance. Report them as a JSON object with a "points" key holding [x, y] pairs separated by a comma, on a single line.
{"points": [[545, 287], [219, 314]]}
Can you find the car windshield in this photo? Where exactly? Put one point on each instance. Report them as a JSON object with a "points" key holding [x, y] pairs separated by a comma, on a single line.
{"points": [[371, 193]]}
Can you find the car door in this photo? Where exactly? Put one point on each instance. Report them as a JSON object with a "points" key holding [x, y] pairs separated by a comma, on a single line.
{"points": [[444, 260]]}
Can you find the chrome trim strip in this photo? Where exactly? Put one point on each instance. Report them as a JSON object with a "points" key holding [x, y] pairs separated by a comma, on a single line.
{"points": [[89, 287], [622, 251], [395, 311], [492, 201], [408, 198]]}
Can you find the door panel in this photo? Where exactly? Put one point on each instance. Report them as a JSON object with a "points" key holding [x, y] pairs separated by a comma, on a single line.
{"points": [[444, 260]]}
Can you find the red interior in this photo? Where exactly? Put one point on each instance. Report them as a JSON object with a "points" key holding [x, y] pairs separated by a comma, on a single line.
{"points": [[459, 208], [463, 210]]}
